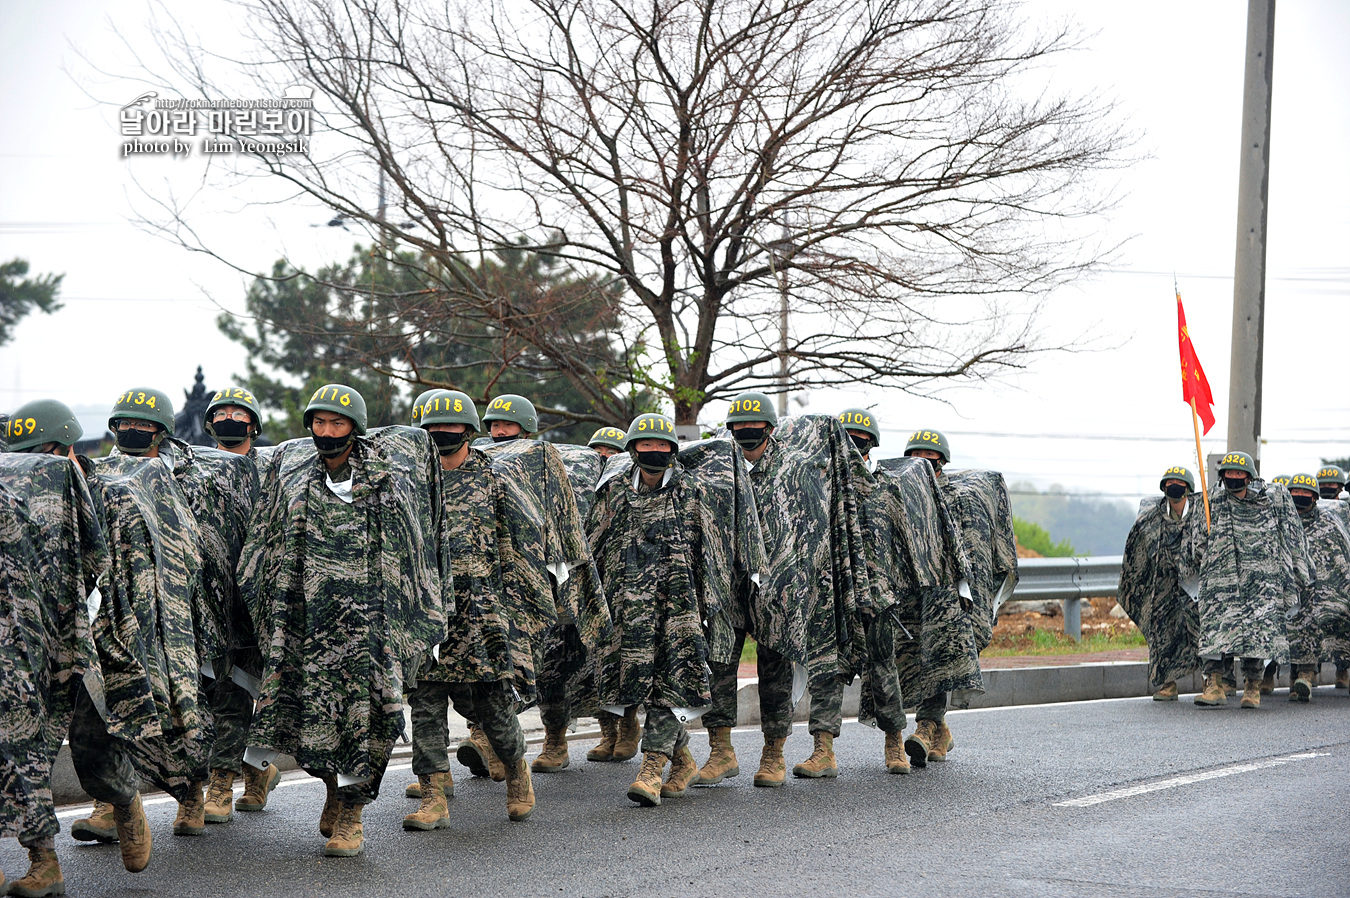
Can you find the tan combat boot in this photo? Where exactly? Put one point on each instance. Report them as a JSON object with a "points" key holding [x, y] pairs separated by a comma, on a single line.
{"points": [[476, 754], [609, 734], [332, 807], [822, 762], [43, 878], [258, 784], [191, 819], [1251, 694], [414, 790], [1214, 693], [772, 770], [1268, 680], [896, 759], [220, 797], [1314, 672], [921, 742], [433, 813], [133, 832], [98, 826], [554, 756], [1301, 690], [348, 839], [942, 742], [519, 792], [1342, 677], [630, 736], [722, 762], [646, 789], [683, 774], [1168, 692]]}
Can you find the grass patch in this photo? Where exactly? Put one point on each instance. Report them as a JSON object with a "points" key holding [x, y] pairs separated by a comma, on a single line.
{"points": [[1049, 642], [750, 651]]}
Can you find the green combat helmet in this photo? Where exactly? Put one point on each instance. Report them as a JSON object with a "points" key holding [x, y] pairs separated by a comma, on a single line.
{"points": [[861, 419], [40, 422], [514, 408], [341, 399], [1281, 479], [752, 407], [237, 396], [450, 407], [144, 405], [420, 401], [1237, 461], [929, 439], [1177, 472], [1303, 482], [1330, 481], [612, 437], [650, 427]]}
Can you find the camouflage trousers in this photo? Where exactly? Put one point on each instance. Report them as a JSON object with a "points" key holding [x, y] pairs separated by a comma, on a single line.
{"points": [[827, 696], [560, 674], [1252, 668], [232, 711], [932, 708], [490, 705], [664, 732], [775, 691], [368, 791], [102, 761]]}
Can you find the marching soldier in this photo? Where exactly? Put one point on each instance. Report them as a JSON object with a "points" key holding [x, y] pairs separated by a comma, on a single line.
{"points": [[607, 441], [1320, 626]]}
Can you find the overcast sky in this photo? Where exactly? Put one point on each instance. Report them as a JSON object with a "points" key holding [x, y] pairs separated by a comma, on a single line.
{"points": [[141, 311]]}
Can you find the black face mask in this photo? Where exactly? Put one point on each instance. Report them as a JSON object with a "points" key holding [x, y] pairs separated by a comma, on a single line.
{"points": [[506, 439], [750, 438], [230, 432], [136, 442], [655, 462], [864, 443], [448, 443], [1329, 492], [332, 447], [1235, 484], [1303, 503], [1175, 490]]}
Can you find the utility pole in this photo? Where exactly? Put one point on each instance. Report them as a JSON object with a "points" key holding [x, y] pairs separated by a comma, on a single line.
{"points": [[1249, 273], [783, 330]]}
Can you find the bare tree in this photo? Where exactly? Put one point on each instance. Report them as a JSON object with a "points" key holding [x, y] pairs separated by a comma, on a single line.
{"points": [[898, 167]]}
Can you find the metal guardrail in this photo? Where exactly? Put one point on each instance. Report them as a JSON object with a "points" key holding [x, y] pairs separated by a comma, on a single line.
{"points": [[1068, 580]]}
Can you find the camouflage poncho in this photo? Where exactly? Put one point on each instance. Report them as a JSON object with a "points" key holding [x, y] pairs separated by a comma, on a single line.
{"points": [[978, 500], [146, 631], [1151, 592], [920, 555], [53, 551], [509, 531], [1253, 568], [346, 596], [673, 561], [815, 579], [1321, 628]]}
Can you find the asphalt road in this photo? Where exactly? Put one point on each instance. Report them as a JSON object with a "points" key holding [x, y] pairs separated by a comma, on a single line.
{"points": [[1110, 798]]}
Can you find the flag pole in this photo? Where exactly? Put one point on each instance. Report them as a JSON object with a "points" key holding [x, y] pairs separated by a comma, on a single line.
{"points": [[1200, 461]]}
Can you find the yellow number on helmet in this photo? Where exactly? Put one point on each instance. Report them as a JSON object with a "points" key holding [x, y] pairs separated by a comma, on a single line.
{"points": [[346, 399]]}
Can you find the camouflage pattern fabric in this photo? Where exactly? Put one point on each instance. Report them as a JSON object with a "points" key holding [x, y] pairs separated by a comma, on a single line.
{"points": [[918, 558], [1321, 628], [347, 597], [491, 705], [1151, 593], [978, 501], [149, 649], [663, 732], [1253, 568], [672, 558], [53, 549]]}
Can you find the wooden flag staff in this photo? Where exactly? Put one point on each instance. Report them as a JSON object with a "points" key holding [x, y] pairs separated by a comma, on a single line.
{"points": [[1200, 461]]}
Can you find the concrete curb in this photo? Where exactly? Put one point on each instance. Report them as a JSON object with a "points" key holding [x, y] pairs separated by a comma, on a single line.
{"points": [[1003, 687]]}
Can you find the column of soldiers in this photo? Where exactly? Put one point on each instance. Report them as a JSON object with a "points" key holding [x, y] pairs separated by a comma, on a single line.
{"points": [[1263, 576], [192, 613]]}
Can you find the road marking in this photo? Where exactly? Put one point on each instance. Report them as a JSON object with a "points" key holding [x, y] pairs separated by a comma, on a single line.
{"points": [[1186, 780]]}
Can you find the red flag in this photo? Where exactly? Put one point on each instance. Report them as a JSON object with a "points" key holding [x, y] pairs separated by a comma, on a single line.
{"points": [[1194, 384]]}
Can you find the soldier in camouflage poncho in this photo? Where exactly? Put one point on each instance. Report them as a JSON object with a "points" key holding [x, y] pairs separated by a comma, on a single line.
{"points": [[53, 553], [340, 572], [677, 543], [978, 503], [1253, 569], [1150, 584], [1321, 628]]}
